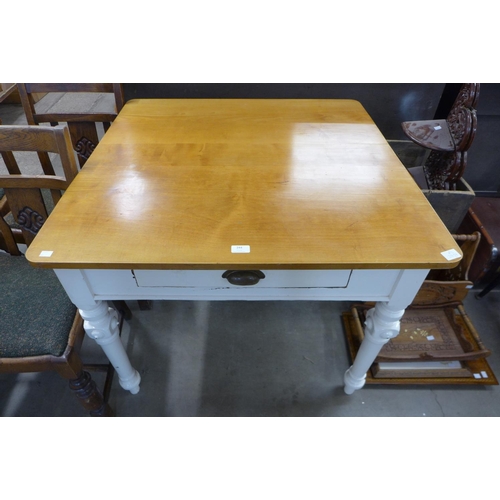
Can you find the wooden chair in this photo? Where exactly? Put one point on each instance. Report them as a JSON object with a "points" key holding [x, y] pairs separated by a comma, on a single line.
{"points": [[31, 136], [448, 140], [444, 286], [4, 206], [452, 133], [82, 126], [40, 329]]}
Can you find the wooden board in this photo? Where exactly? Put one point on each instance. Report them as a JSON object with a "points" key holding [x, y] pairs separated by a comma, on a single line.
{"points": [[10, 95]]}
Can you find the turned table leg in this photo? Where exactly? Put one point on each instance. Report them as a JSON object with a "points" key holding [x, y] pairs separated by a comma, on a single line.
{"points": [[382, 324], [101, 324]]}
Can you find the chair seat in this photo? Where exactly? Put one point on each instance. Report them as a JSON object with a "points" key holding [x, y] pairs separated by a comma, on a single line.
{"points": [[30, 297], [431, 134]]}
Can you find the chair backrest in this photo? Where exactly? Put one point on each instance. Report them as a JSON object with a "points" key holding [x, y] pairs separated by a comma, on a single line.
{"points": [[468, 244], [462, 118], [441, 167], [462, 123], [443, 286], [82, 125], [24, 195], [445, 168], [468, 96]]}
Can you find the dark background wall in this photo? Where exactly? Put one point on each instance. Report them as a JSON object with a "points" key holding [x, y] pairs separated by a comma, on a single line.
{"points": [[388, 105]]}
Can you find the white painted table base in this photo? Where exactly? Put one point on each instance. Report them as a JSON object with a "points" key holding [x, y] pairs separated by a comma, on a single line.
{"points": [[392, 290]]}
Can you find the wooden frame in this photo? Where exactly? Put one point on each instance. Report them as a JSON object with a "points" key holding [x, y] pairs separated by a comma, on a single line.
{"points": [[6, 90], [471, 371], [82, 126]]}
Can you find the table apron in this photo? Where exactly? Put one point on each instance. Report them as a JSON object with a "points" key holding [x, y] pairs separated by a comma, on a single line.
{"points": [[366, 285]]}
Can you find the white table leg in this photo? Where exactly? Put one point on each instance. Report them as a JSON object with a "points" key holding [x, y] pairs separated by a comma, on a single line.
{"points": [[382, 324], [101, 324]]}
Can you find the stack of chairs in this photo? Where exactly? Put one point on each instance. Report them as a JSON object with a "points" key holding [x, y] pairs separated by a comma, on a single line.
{"points": [[86, 128]]}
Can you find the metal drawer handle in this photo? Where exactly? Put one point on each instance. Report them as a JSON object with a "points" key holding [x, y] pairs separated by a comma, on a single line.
{"points": [[244, 278]]}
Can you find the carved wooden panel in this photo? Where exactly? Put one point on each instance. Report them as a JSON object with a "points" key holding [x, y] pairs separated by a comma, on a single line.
{"points": [[30, 220], [460, 126], [84, 147], [28, 207], [468, 96], [442, 166], [84, 138]]}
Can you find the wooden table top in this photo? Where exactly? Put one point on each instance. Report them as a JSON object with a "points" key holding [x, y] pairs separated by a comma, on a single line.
{"points": [[304, 183]]}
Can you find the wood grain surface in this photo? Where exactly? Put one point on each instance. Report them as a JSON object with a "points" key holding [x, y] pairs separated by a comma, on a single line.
{"points": [[306, 184]]}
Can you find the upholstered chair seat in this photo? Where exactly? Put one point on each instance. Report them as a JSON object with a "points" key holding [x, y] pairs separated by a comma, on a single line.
{"points": [[32, 300]]}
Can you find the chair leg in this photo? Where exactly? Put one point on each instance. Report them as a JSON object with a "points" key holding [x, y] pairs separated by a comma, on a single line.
{"points": [[122, 307], [487, 289], [145, 305], [89, 396]]}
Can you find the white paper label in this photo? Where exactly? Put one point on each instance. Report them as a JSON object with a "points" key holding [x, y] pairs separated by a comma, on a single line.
{"points": [[477, 375], [450, 254], [240, 249], [437, 127], [46, 253], [430, 337], [484, 374]]}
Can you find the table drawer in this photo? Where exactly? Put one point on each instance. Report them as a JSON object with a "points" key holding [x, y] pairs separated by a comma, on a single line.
{"points": [[243, 279]]}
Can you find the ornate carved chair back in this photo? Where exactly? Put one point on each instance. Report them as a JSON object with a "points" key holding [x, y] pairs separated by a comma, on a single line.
{"points": [[462, 123], [440, 166], [445, 168], [82, 125], [468, 96]]}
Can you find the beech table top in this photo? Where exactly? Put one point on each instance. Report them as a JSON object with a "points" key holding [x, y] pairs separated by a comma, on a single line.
{"points": [[295, 184]]}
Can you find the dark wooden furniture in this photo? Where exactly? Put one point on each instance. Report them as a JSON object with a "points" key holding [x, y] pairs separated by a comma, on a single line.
{"points": [[6, 90], [447, 140], [82, 126], [40, 329], [484, 216]]}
